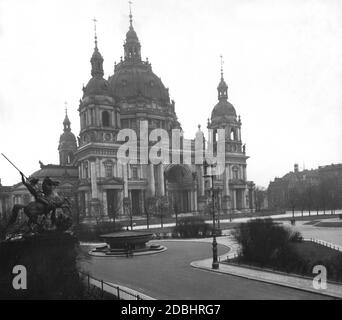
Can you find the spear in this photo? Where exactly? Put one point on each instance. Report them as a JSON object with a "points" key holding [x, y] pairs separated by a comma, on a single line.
{"points": [[13, 164]]}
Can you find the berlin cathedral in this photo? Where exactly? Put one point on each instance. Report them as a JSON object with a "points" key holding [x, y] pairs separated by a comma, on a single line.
{"points": [[89, 171]]}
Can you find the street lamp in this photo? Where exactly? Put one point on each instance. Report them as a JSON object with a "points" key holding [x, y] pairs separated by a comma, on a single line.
{"points": [[215, 264]]}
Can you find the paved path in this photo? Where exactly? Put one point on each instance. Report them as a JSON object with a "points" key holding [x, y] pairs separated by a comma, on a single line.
{"points": [[169, 275]]}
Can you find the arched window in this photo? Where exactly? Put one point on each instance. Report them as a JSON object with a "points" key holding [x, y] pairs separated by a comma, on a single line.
{"points": [[232, 134], [135, 173], [85, 170], [105, 119]]}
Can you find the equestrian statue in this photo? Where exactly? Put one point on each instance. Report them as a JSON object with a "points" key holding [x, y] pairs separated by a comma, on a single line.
{"points": [[45, 202]]}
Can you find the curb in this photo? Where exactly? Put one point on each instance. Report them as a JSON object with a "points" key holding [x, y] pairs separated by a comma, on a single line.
{"points": [[199, 264]]}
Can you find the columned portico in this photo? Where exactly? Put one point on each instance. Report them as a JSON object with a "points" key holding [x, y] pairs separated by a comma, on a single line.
{"points": [[181, 187]]}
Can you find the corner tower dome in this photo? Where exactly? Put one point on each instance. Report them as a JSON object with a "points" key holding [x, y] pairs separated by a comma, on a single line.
{"points": [[67, 143], [223, 109]]}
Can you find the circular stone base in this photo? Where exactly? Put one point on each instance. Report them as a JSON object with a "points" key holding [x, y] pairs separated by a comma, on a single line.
{"points": [[105, 251]]}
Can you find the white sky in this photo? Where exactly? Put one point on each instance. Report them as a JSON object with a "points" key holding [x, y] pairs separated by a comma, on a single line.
{"points": [[283, 66]]}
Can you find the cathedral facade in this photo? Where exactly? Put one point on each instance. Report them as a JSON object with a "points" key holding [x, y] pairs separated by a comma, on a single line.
{"points": [[102, 186]]}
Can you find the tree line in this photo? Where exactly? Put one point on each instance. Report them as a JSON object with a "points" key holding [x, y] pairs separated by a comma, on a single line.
{"points": [[324, 194]]}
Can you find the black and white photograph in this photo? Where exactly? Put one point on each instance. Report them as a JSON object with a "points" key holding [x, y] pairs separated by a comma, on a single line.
{"points": [[176, 151]]}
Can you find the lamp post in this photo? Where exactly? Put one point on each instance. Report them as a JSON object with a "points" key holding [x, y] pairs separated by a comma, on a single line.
{"points": [[219, 207], [215, 264]]}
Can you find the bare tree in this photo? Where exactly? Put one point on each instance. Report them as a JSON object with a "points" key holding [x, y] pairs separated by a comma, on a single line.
{"points": [[115, 211], [260, 196]]}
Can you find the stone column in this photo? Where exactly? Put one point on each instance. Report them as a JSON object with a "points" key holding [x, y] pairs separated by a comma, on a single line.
{"points": [[105, 206], [201, 199], [86, 208], [226, 191], [102, 173], [125, 178], [94, 201], [120, 199], [195, 200], [253, 200], [113, 118], [244, 199], [191, 194], [234, 200], [142, 201], [226, 181], [118, 120], [189, 199], [150, 180], [94, 191], [201, 179], [161, 180]]}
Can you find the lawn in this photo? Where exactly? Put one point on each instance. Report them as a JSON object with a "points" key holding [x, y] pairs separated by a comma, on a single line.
{"points": [[309, 255], [314, 252]]}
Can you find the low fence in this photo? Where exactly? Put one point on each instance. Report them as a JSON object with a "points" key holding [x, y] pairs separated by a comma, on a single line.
{"points": [[325, 243], [105, 287]]}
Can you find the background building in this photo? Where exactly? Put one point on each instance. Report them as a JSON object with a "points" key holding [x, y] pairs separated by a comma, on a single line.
{"points": [[5, 199], [313, 189]]}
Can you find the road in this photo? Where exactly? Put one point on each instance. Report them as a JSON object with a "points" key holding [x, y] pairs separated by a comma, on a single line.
{"points": [[169, 276]]}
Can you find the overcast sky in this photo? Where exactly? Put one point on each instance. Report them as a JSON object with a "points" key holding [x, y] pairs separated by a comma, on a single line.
{"points": [[283, 66]]}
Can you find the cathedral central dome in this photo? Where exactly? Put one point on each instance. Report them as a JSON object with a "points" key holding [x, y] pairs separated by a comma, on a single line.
{"points": [[131, 80]]}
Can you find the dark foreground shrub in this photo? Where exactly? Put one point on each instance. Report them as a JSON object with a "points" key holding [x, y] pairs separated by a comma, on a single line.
{"points": [[192, 227], [334, 266], [264, 242], [50, 262]]}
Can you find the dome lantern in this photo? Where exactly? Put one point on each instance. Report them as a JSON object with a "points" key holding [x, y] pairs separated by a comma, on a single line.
{"points": [[96, 59], [222, 88], [132, 45]]}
